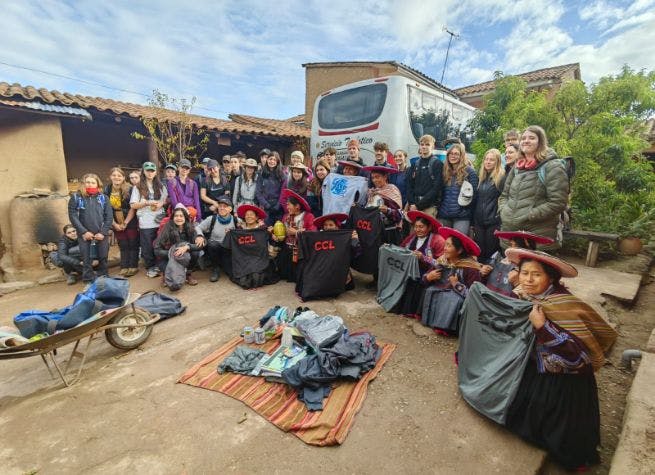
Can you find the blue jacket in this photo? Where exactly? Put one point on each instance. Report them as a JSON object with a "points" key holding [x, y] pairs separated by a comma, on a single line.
{"points": [[399, 179], [449, 207], [268, 191]]}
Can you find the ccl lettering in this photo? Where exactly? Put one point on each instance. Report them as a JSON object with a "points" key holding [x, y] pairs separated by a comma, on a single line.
{"points": [[247, 239], [363, 224], [324, 245], [395, 263]]}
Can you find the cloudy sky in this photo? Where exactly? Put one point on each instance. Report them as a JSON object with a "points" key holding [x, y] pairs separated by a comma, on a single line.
{"points": [[245, 56]]}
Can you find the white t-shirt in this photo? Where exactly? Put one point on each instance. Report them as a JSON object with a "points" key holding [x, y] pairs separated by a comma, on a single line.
{"points": [[146, 216]]}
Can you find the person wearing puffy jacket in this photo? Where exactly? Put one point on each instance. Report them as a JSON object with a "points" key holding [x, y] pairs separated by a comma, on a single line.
{"points": [[269, 186], [485, 213], [536, 190], [90, 212], [456, 171]]}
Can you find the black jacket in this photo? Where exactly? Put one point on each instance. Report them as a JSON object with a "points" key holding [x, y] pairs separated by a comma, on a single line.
{"points": [[68, 251], [424, 183], [486, 203], [90, 213]]}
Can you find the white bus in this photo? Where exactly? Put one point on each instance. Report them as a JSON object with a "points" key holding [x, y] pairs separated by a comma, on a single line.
{"points": [[392, 109]]}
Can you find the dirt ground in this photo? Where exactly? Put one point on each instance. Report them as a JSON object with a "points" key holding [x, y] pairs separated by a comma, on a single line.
{"points": [[127, 414]]}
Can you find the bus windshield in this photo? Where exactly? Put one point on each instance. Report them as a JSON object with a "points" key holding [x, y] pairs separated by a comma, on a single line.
{"points": [[352, 108]]}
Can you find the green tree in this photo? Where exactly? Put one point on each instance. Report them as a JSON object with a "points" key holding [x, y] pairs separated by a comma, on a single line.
{"points": [[601, 126], [175, 137]]}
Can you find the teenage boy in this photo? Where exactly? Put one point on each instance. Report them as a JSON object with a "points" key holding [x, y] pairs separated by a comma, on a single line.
{"points": [[424, 181]]}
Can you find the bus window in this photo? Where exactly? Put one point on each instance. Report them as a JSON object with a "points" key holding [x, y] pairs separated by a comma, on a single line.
{"points": [[352, 108], [429, 102]]}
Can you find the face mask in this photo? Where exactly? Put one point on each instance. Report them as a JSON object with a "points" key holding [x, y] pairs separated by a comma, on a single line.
{"points": [[91, 190]]}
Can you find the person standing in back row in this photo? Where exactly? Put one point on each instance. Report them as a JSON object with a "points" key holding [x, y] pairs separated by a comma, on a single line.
{"points": [[423, 179]]}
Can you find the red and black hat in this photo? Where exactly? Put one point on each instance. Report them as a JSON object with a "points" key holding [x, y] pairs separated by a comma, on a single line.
{"points": [[513, 235], [414, 215], [241, 211], [287, 193], [470, 246], [381, 169], [338, 218], [516, 254]]}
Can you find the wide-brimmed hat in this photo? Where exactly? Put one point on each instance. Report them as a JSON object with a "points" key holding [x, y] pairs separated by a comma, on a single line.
{"points": [[241, 211], [380, 169], [513, 235], [286, 193], [350, 163], [338, 218], [299, 166], [250, 162], [516, 254], [470, 246], [414, 215]]}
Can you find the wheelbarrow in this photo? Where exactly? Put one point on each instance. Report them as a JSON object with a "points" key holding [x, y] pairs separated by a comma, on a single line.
{"points": [[125, 328]]}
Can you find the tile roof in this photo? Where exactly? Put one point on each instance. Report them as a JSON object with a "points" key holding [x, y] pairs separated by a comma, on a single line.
{"points": [[297, 119], [284, 127], [138, 111], [555, 72], [47, 108]]}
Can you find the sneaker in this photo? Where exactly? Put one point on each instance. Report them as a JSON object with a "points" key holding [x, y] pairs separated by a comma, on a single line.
{"points": [[131, 271], [71, 279], [123, 272], [190, 280], [153, 272], [216, 273]]}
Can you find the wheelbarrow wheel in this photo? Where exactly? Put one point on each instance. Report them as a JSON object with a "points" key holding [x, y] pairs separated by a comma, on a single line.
{"points": [[129, 337]]}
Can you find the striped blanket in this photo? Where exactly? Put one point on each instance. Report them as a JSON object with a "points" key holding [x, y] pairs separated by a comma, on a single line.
{"points": [[575, 316], [278, 403]]}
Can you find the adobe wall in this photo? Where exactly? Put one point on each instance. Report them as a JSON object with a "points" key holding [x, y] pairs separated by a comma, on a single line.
{"points": [[321, 79], [32, 154]]}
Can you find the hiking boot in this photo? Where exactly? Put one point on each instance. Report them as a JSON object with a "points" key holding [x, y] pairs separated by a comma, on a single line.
{"points": [[71, 279], [153, 272], [190, 280], [216, 273]]}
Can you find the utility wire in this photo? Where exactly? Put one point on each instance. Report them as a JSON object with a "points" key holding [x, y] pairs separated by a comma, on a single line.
{"points": [[93, 83]]}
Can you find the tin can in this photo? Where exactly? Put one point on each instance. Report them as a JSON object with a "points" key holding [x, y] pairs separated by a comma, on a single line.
{"points": [[248, 335], [260, 338]]}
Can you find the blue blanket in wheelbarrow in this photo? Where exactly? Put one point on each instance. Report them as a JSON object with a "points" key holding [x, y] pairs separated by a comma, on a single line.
{"points": [[102, 294]]}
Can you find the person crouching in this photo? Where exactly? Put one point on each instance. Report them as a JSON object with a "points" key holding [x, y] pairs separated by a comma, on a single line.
{"points": [[177, 248], [215, 227]]}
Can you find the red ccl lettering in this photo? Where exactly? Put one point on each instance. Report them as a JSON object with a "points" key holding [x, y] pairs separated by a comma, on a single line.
{"points": [[249, 239], [324, 245], [363, 224]]}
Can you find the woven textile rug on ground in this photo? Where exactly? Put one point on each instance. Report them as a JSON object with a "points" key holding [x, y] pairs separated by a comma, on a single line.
{"points": [[278, 403]]}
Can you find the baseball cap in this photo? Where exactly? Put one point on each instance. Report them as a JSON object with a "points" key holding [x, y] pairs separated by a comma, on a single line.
{"points": [[185, 163], [149, 166]]}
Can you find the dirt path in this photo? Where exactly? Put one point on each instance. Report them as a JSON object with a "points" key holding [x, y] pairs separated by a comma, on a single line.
{"points": [[128, 415]]}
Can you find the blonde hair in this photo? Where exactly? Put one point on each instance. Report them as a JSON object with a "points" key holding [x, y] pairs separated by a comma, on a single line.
{"points": [[542, 148], [90, 175], [498, 172], [459, 170], [427, 138], [125, 186]]}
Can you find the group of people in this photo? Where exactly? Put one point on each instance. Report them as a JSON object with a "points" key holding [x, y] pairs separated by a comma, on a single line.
{"points": [[248, 218]]}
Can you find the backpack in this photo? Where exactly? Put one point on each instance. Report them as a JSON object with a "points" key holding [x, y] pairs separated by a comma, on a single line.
{"points": [[163, 305], [568, 163], [101, 197]]}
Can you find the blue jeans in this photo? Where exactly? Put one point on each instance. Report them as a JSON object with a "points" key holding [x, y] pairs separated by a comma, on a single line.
{"points": [[461, 225]]}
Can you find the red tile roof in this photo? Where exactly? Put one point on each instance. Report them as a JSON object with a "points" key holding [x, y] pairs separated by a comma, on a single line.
{"points": [[16, 91], [556, 72], [297, 119], [284, 127]]}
